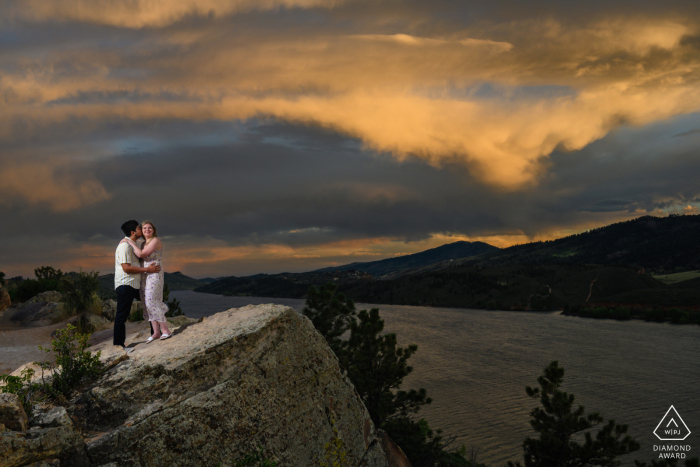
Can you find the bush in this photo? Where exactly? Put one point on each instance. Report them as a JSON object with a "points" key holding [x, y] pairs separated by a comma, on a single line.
{"points": [[22, 386], [621, 313], [173, 305], [47, 273], [47, 278], [73, 363], [135, 315], [675, 314], [80, 293], [654, 314], [31, 288]]}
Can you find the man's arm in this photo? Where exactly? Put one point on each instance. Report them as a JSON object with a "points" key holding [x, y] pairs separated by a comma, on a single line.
{"points": [[129, 269]]}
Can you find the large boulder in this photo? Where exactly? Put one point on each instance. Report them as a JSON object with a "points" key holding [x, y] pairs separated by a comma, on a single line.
{"points": [[54, 417], [12, 414], [45, 297], [109, 309], [39, 310], [5, 301], [22, 448], [248, 377]]}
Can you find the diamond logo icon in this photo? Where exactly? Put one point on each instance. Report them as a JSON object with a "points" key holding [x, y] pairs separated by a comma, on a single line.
{"points": [[672, 427]]}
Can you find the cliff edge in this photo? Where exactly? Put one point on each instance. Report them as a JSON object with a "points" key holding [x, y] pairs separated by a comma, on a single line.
{"points": [[248, 378]]}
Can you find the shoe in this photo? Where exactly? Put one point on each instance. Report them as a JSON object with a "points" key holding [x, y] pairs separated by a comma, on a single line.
{"points": [[149, 340], [128, 349], [165, 336]]}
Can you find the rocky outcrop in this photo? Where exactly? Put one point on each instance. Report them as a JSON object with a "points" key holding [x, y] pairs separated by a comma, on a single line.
{"points": [[394, 454], [37, 311], [5, 301], [255, 376], [54, 417], [45, 297], [12, 414], [258, 376], [109, 309], [22, 448]]}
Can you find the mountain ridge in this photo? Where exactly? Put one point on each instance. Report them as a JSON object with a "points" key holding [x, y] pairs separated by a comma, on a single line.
{"points": [[447, 252], [608, 264]]}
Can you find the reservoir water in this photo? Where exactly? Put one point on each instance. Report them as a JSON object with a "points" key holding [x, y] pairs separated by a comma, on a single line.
{"points": [[475, 364]]}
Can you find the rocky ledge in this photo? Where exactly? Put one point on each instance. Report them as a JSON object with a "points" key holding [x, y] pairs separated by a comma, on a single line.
{"points": [[248, 378]]}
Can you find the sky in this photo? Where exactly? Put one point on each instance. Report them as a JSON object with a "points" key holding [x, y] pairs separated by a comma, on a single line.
{"points": [[288, 135]]}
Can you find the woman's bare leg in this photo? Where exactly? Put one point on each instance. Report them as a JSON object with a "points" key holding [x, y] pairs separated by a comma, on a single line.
{"points": [[156, 330], [164, 327]]}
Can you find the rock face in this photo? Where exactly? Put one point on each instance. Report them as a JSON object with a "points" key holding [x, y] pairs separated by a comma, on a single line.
{"points": [[12, 414], [109, 309], [52, 418], [44, 297], [38, 310], [5, 301], [22, 448], [254, 376]]}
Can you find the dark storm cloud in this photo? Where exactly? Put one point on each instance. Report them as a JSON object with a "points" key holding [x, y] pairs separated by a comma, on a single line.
{"points": [[251, 194]]}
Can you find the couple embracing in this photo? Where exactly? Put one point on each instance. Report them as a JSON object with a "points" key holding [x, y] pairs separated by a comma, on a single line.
{"points": [[138, 275]]}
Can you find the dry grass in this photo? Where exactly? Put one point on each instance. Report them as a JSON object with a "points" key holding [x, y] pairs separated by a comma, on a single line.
{"points": [[678, 277]]}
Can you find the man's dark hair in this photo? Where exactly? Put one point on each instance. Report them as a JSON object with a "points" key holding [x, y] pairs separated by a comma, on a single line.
{"points": [[129, 226]]}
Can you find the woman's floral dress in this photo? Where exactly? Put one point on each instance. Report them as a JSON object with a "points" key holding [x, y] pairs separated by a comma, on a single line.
{"points": [[152, 290]]}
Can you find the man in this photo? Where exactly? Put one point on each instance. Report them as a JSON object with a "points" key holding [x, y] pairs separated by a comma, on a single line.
{"points": [[127, 279]]}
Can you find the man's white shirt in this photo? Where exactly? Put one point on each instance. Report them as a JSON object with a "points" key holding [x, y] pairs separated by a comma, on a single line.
{"points": [[125, 254]]}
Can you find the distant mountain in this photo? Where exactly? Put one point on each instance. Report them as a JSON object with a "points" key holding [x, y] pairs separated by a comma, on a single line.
{"points": [[660, 244], [179, 281], [208, 280], [174, 280], [408, 263], [611, 264]]}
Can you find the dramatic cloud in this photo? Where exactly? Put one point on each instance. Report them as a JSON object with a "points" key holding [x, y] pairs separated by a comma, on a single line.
{"points": [[146, 13], [314, 129]]}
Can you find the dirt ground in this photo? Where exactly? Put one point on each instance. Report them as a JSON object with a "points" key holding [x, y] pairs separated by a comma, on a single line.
{"points": [[20, 345]]}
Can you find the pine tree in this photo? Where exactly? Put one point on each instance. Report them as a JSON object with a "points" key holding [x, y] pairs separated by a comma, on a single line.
{"points": [[331, 314], [558, 422], [377, 367]]}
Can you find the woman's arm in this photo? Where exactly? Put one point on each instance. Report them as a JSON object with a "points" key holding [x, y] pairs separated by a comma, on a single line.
{"points": [[146, 250], [152, 246]]}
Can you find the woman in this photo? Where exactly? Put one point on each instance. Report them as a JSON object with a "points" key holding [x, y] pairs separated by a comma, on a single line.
{"points": [[152, 284]]}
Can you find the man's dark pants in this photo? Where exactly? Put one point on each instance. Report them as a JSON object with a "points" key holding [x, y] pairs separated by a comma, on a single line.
{"points": [[126, 295]]}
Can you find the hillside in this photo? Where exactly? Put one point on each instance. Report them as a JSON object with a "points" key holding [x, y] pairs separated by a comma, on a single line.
{"points": [[612, 264], [408, 263], [174, 280], [659, 244]]}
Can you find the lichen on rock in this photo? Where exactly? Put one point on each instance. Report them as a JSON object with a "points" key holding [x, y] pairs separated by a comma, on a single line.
{"points": [[258, 376], [12, 414]]}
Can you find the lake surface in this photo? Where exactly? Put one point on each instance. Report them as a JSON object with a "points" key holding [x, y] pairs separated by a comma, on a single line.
{"points": [[475, 364]]}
